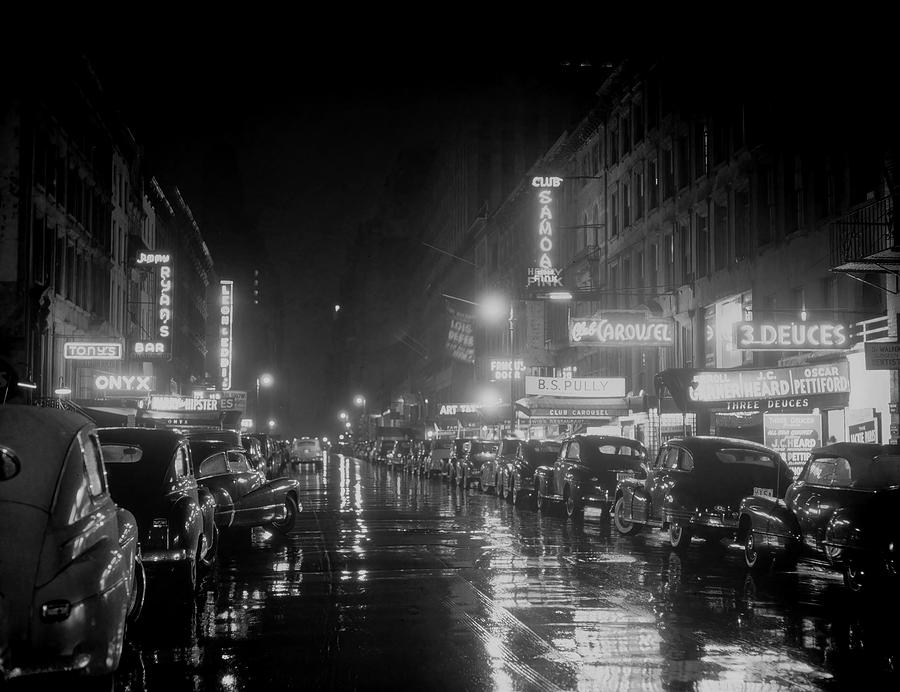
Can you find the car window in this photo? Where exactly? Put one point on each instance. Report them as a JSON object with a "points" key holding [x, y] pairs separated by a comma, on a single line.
{"points": [[746, 456], [573, 451], [686, 461], [608, 449], [830, 471], [214, 465], [93, 466], [551, 447], [660, 460], [181, 463], [238, 463], [672, 457], [121, 454]]}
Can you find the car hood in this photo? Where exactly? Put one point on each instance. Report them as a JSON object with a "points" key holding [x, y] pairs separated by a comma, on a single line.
{"points": [[22, 530]]}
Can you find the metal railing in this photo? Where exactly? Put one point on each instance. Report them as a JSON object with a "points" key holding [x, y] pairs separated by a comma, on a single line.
{"points": [[866, 230]]}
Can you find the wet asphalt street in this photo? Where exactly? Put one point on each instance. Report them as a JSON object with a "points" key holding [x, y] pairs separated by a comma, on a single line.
{"points": [[390, 581]]}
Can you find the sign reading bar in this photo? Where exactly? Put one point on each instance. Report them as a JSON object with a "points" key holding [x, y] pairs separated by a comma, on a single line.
{"points": [[791, 336], [621, 328], [882, 355], [506, 369], [150, 350], [804, 381], [793, 435], [576, 386], [82, 350], [142, 384], [182, 403]]}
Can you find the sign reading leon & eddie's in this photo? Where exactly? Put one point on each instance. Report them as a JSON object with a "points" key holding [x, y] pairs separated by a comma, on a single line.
{"points": [[791, 336], [789, 389], [621, 328]]}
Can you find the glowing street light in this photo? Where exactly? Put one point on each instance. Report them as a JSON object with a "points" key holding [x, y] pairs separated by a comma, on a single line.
{"points": [[272, 424], [343, 415], [359, 400]]}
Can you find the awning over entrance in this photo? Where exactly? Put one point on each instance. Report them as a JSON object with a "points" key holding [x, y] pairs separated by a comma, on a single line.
{"points": [[554, 409]]}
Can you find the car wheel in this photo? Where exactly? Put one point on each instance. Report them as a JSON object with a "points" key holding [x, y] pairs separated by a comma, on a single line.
{"points": [[186, 579], [514, 493], [680, 537], [753, 558], [857, 575], [540, 501], [290, 516], [623, 525], [140, 592], [574, 508], [464, 478]]}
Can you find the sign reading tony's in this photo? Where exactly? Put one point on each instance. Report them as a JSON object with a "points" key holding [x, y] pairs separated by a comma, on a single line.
{"points": [[587, 387]]}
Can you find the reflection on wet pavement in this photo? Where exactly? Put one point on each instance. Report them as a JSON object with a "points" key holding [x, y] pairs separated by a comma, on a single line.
{"points": [[392, 580]]}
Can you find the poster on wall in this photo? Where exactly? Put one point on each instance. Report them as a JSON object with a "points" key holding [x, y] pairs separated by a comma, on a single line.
{"points": [[461, 335], [862, 425], [793, 436]]}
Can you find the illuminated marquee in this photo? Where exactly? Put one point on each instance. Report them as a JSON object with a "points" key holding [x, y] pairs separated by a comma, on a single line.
{"points": [[226, 324], [454, 409], [82, 350], [150, 350], [507, 369], [791, 336], [620, 329], [545, 275], [124, 383], [182, 403], [804, 381]]}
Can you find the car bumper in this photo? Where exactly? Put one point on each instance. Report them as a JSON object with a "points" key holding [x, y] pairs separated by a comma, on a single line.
{"points": [[32, 664], [161, 558]]}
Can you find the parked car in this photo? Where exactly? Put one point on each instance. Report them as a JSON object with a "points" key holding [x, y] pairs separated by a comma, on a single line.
{"points": [[489, 477], [400, 454], [586, 472], [843, 508], [437, 457], [478, 452], [420, 452], [151, 474], [253, 447], [71, 576], [695, 487], [308, 450], [517, 463], [381, 451], [457, 452], [244, 498]]}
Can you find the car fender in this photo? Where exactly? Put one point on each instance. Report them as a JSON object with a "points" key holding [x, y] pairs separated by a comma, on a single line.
{"points": [[850, 528], [544, 475], [187, 517], [767, 516]]}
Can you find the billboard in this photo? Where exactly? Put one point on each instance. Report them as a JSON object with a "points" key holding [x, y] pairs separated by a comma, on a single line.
{"points": [[793, 435], [586, 387]]}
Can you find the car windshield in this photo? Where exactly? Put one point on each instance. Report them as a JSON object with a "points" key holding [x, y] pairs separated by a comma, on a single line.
{"points": [[485, 447], [403, 446], [308, 443], [589, 451], [746, 456], [121, 454], [441, 444], [509, 447], [387, 445]]}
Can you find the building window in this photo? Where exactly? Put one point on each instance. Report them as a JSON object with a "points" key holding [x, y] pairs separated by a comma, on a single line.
{"points": [[684, 245], [638, 115], [765, 217], [794, 179], [627, 286], [625, 127], [612, 148], [682, 154], [638, 193], [701, 149], [652, 182], [653, 266], [668, 173], [594, 231], [701, 223], [613, 214], [721, 236], [595, 157], [626, 205], [741, 224], [612, 295]]}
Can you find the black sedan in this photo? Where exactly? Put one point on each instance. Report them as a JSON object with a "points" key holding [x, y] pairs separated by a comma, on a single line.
{"points": [[517, 463], [150, 472], [843, 509], [586, 471], [696, 485]]}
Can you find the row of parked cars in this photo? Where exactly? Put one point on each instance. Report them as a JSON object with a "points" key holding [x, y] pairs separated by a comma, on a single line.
{"points": [[93, 519], [841, 509]]}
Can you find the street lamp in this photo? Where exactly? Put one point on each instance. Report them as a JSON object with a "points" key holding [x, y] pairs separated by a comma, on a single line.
{"points": [[360, 401], [493, 307], [266, 380], [271, 424], [343, 415]]}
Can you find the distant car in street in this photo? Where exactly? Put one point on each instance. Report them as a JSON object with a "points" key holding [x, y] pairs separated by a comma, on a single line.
{"points": [[478, 452], [843, 508], [457, 451], [437, 457], [400, 454], [517, 463], [71, 576], [244, 498], [150, 473], [586, 472], [308, 450], [695, 487]]}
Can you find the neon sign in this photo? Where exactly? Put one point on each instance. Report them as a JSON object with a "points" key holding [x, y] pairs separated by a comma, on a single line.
{"points": [[507, 369], [124, 383], [82, 350], [182, 403], [150, 349], [164, 330], [545, 275], [621, 328], [793, 336], [226, 323]]}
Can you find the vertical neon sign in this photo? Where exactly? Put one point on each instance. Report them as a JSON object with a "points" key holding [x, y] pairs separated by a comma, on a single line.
{"points": [[545, 275], [226, 322]]}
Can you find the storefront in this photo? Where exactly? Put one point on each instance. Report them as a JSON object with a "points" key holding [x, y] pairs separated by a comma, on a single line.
{"points": [[558, 406]]}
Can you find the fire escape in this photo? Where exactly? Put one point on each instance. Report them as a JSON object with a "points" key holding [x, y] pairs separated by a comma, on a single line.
{"points": [[864, 242]]}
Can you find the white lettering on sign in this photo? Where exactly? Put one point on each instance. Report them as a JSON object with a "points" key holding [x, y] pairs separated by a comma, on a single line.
{"points": [[164, 328], [882, 355], [226, 314], [153, 258], [123, 383], [542, 181], [773, 384], [576, 386], [453, 409], [793, 336], [81, 350], [620, 330], [142, 348], [182, 403], [545, 275]]}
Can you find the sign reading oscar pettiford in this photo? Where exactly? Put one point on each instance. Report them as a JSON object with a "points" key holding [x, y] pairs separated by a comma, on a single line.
{"points": [[545, 274], [621, 328], [798, 388], [587, 387], [791, 336]]}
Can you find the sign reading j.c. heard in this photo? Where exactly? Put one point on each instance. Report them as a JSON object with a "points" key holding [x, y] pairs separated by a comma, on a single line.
{"points": [[596, 387]]}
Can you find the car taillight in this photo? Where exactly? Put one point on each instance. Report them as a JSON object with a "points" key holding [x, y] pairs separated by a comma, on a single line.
{"points": [[159, 533], [55, 611]]}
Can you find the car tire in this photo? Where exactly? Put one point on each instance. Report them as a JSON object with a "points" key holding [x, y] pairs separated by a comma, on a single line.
{"points": [[207, 561], [858, 575], [623, 525], [756, 560], [284, 526], [540, 502], [574, 509], [680, 537], [140, 592], [514, 493]]}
